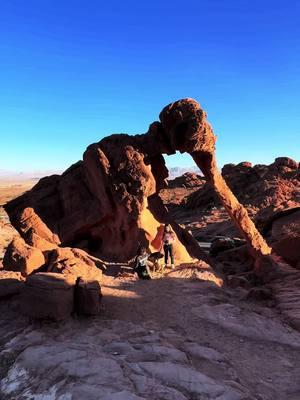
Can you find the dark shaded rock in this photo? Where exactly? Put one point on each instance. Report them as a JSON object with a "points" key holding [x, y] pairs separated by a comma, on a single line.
{"points": [[10, 283], [48, 296], [87, 297], [288, 248], [187, 180], [235, 281], [259, 293], [263, 189], [221, 244], [286, 162]]}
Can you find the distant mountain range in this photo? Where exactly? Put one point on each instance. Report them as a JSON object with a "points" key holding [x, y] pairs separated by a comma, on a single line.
{"points": [[6, 175], [174, 172]]}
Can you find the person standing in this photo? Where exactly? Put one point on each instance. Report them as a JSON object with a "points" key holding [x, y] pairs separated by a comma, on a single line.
{"points": [[168, 241]]}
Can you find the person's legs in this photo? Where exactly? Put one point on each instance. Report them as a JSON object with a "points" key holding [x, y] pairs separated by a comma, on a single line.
{"points": [[171, 255], [166, 251]]}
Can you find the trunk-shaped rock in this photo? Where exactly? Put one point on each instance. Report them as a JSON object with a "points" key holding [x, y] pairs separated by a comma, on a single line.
{"points": [[207, 163]]}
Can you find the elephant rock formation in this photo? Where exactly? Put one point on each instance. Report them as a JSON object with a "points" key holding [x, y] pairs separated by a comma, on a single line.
{"points": [[108, 204]]}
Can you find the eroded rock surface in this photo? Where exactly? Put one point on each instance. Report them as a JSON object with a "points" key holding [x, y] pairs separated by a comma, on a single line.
{"points": [[21, 257], [108, 204], [263, 189]]}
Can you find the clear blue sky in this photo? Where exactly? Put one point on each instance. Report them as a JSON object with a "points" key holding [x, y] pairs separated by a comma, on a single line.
{"points": [[72, 72]]}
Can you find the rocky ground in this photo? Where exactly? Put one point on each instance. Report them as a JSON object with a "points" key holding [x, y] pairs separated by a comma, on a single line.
{"points": [[172, 338], [186, 336]]}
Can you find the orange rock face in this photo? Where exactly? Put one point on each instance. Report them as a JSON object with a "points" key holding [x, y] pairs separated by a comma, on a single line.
{"points": [[21, 257]]}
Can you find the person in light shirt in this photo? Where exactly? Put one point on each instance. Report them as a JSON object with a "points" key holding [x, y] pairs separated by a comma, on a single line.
{"points": [[141, 264], [168, 241]]}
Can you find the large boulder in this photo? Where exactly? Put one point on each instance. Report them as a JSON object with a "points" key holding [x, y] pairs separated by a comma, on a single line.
{"points": [[21, 257], [285, 223], [10, 283], [288, 247], [48, 296]]}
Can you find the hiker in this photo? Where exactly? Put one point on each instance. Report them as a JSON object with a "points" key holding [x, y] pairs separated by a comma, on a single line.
{"points": [[168, 240], [141, 264]]}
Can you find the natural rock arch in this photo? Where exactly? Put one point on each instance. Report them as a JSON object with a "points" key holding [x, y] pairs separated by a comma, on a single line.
{"points": [[108, 203]]}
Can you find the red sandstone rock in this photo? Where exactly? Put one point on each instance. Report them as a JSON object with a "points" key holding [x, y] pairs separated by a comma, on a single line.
{"points": [[30, 223], [187, 180], [75, 263], [261, 188], [48, 296], [36, 241], [109, 201], [22, 258], [284, 224], [289, 248], [286, 162]]}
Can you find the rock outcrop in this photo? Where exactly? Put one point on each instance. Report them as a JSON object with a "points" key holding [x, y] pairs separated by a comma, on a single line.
{"points": [[263, 189], [187, 180], [108, 204]]}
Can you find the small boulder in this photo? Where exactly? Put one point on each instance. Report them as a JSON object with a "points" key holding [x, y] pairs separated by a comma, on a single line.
{"points": [[76, 263], [221, 244], [87, 297], [289, 248], [10, 283], [48, 296], [21, 257]]}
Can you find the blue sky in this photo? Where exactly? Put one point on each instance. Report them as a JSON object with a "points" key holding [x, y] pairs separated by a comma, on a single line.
{"points": [[72, 72]]}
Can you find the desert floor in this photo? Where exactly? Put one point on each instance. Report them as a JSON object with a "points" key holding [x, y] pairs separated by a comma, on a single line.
{"points": [[181, 337]]}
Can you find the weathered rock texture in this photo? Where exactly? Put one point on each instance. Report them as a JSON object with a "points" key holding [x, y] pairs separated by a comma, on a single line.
{"points": [[21, 257], [108, 204], [263, 189]]}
